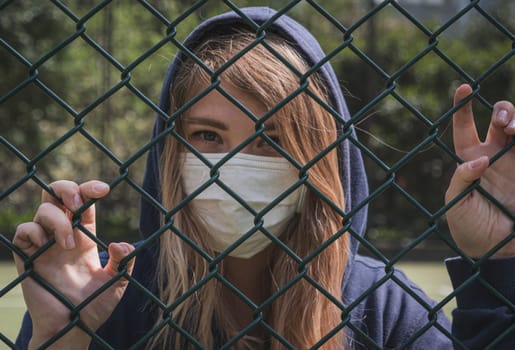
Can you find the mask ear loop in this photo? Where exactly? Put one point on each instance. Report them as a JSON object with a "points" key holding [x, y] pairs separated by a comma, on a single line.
{"points": [[302, 195]]}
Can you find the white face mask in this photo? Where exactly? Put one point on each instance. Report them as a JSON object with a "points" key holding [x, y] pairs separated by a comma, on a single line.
{"points": [[258, 180]]}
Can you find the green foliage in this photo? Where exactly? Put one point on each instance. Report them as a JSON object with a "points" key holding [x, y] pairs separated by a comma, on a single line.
{"points": [[11, 218], [424, 86], [79, 72]]}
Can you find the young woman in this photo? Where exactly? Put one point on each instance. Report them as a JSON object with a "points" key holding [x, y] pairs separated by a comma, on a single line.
{"points": [[255, 201]]}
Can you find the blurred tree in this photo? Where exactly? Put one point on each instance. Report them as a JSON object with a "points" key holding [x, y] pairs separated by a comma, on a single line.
{"points": [[23, 102], [115, 49]]}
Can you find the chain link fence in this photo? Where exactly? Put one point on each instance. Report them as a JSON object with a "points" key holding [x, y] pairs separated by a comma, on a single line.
{"points": [[85, 126]]}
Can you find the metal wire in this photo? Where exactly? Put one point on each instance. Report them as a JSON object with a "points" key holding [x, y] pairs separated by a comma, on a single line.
{"points": [[170, 25]]}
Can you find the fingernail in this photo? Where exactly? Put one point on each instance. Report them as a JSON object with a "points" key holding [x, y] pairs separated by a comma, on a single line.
{"points": [[70, 242], [100, 187], [502, 116], [512, 124], [476, 163]]}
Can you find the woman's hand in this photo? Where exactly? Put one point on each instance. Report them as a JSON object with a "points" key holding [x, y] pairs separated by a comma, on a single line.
{"points": [[71, 265], [476, 224]]}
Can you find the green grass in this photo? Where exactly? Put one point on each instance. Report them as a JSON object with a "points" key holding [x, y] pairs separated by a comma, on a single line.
{"points": [[432, 277], [12, 305]]}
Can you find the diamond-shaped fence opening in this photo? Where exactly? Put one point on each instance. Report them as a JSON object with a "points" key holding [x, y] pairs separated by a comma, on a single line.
{"points": [[80, 86]]}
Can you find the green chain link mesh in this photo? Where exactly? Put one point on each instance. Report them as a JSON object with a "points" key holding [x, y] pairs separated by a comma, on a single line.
{"points": [[171, 27]]}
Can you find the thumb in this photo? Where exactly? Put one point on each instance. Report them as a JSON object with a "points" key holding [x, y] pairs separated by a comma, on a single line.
{"points": [[465, 175], [118, 251]]}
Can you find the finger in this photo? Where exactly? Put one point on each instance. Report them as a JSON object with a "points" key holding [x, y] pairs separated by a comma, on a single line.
{"points": [[29, 237], [72, 195], [92, 190], [66, 191], [464, 129], [118, 251], [465, 175], [55, 223], [502, 125]]}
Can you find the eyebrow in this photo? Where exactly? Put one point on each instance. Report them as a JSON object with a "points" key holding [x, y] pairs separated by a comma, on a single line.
{"points": [[206, 121], [218, 124]]}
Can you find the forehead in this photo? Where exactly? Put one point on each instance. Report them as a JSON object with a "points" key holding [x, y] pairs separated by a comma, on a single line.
{"points": [[226, 103]]}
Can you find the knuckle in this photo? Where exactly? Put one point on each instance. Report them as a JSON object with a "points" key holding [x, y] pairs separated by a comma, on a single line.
{"points": [[63, 187], [63, 183], [48, 214], [46, 207], [26, 234], [23, 228]]}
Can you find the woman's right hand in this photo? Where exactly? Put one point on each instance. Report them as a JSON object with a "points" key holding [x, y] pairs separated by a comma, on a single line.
{"points": [[71, 265]]}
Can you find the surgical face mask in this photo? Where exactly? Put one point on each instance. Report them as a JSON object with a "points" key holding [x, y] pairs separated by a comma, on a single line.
{"points": [[258, 181]]}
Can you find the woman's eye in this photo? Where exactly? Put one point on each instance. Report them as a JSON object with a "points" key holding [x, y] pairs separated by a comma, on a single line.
{"points": [[206, 136]]}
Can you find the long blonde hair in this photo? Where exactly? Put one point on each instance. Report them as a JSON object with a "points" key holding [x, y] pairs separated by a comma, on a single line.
{"points": [[306, 129]]}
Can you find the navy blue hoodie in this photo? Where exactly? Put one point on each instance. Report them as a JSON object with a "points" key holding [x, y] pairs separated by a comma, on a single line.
{"points": [[387, 311]]}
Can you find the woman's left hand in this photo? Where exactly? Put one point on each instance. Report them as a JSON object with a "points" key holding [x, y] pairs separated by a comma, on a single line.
{"points": [[476, 224]]}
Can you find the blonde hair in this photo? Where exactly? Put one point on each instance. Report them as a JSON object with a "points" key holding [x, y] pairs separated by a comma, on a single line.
{"points": [[306, 129]]}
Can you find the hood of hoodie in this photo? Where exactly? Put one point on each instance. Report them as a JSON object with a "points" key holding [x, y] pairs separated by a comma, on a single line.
{"points": [[352, 171]]}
